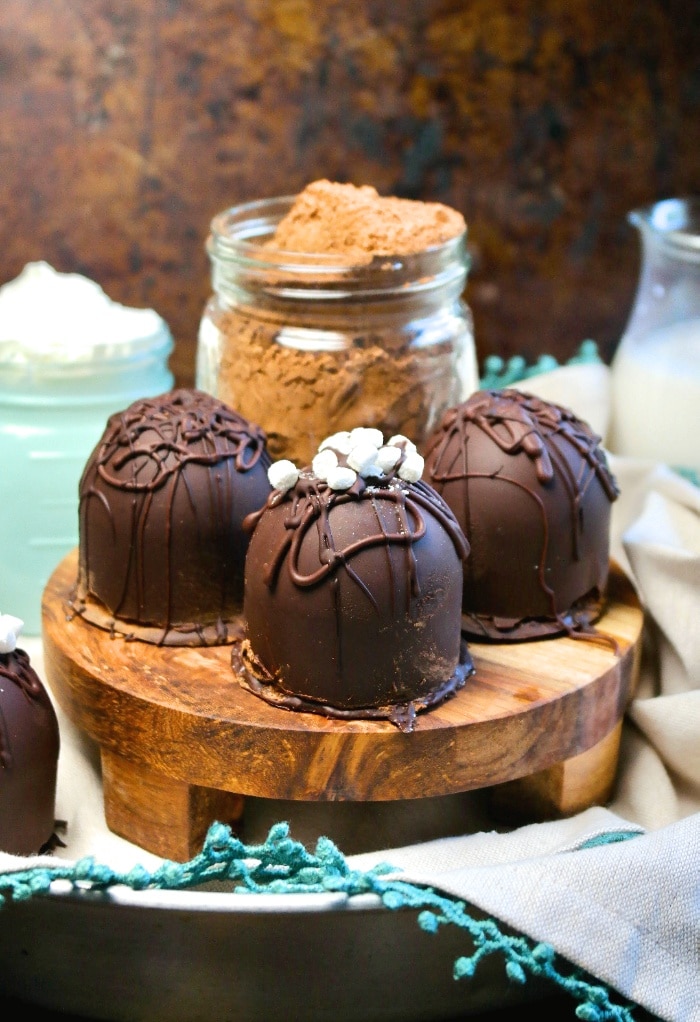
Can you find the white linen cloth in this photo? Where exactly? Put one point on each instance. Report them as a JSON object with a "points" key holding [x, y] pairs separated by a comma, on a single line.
{"points": [[627, 912]]}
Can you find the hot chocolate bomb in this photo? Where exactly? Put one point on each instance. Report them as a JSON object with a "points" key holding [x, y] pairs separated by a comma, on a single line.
{"points": [[529, 484], [163, 497], [29, 746], [353, 586]]}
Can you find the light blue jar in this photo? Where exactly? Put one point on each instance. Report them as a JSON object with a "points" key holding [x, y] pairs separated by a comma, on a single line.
{"points": [[52, 413]]}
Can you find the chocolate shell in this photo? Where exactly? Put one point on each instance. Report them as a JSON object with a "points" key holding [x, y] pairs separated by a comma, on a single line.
{"points": [[529, 483], [29, 747], [162, 502], [353, 597]]}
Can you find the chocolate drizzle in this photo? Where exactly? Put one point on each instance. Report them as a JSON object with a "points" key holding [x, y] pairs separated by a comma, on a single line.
{"points": [[529, 483], [29, 746], [352, 599], [311, 504], [518, 422], [15, 668], [162, 501], [154, 439]]}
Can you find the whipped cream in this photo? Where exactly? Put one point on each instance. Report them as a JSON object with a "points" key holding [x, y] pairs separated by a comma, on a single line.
{"points": [[65, 317]]}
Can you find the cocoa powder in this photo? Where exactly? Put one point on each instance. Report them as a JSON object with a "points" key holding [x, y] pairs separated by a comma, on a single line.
{"points": [[306, 366], [357, 224]]}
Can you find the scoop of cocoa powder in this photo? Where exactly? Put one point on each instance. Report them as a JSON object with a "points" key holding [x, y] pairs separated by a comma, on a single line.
{"points": [[356, 224]]}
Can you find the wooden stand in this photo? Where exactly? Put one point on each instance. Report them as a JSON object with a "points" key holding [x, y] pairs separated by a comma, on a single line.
{"points": [[182, 741]]}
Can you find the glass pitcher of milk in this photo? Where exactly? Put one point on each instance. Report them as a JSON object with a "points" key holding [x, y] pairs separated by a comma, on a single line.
{"points": [[656, 368]]}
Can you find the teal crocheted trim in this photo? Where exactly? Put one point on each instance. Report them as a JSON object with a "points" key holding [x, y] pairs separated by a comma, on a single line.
{"points": [[284, 866], [688, 473], [499, 374], [611, 837]]}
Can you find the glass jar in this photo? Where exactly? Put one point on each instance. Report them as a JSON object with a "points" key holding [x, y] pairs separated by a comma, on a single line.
{"points": [[52, 413], [305, 346], [656, 367]]}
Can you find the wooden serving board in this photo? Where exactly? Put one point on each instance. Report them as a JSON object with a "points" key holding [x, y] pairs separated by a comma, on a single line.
{"points": [[182, 742]]}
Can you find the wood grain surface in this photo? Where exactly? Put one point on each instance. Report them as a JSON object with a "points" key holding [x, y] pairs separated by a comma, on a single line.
{"points": [[182, 713]]}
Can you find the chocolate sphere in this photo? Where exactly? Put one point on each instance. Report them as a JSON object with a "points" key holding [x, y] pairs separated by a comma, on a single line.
{"points": [[29, 746], [530, 486], [353, 592], [162, 503]]}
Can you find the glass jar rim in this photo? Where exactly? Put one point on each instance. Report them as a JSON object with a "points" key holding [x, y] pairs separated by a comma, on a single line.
{"points": [[674, 221], [236, 234], [102, 354]]}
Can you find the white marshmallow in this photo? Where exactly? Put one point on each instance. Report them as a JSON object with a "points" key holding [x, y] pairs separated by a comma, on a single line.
{"points": [[324, 462], [412, 468], [366, 435], [340, 441], [402, 441], [372, 471], [341, 478], [387, 457], [283, 474], [10, 627], [362, 456]]}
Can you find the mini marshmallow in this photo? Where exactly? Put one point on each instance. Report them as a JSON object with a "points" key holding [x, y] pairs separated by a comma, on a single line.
{"points": [[324, 462], [411, 468], [362, 456], [387, 457], [403, 442], [372, 471], [341, 478], [366, 435], [283, 474], [340, 441], [10, 627]]}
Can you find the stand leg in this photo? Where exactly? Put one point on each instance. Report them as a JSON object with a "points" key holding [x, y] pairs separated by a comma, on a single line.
{"points": [[167, 817], [561, 790]]}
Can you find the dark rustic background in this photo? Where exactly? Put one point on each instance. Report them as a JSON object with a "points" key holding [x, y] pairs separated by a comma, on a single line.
{"points": [[126, 125]]}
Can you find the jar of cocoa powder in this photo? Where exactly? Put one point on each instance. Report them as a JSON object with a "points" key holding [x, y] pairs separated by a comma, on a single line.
{"points": [[335, 309]]}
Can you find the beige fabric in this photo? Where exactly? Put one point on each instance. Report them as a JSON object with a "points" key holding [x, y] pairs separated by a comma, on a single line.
{"points": [[630, 912]]}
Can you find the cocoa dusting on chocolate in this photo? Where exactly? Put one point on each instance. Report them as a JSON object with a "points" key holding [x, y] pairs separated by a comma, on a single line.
{"points": [[310, 365], [530, 485]]}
